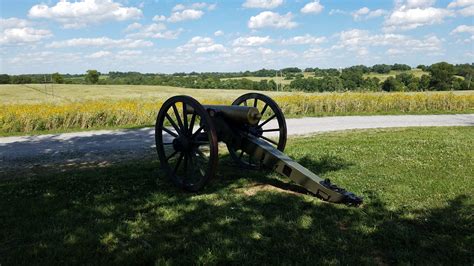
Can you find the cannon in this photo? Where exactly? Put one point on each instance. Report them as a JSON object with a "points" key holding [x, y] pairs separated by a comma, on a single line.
{"points": [[254, 130]]}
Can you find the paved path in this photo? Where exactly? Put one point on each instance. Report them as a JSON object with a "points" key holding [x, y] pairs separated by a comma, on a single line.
{"points": [[102, 145]]}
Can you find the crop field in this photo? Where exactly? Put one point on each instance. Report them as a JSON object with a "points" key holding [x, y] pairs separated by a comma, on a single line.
{"points": [[418, 208], [27, 109], [60, 93]]}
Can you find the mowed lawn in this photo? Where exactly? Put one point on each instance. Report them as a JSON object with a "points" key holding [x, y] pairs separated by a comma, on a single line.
{"points": [[417, 182]]}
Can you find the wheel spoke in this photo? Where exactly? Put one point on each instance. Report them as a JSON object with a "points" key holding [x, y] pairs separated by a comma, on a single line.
{"points": [[178, 163], [264, 109], [185, 118], [197, 132], [245, 103], [173, 154], [191, 124], [170, 132], [266, 121], [173, 124], [241, 154], [271, 130], [178, 117], [199, 152], [269, 140], [255, 102]]}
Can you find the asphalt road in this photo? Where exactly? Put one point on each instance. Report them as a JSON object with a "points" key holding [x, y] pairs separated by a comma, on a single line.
{"points": [[110, 145]]}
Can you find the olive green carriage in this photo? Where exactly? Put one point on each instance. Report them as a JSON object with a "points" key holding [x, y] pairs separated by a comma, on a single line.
{"points": [[253, 128]]}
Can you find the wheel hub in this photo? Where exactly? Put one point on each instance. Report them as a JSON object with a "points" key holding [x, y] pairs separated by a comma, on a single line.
{"points": [[182, 143]]}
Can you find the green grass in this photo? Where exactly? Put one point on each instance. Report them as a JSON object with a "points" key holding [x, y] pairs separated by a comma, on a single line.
{"points": [[416, 72], [418, 208]]}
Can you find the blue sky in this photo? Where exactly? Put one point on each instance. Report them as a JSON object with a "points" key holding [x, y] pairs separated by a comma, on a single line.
{"points": [[71, 36]]}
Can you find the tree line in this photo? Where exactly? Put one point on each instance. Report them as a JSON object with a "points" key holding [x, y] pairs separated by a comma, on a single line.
{"points": [[440, 76]]}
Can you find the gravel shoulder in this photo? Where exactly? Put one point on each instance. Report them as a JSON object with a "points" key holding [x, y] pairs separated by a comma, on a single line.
{"points": [[102, 146]]}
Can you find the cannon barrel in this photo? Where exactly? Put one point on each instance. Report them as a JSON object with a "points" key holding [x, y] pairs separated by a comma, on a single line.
{"points": [[238, 114]]}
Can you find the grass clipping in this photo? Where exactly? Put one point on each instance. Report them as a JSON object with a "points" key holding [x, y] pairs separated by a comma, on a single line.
{"points": [[105, 113]]}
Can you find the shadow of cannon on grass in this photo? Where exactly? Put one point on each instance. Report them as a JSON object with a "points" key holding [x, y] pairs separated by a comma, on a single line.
{"points": [[130, 214]]}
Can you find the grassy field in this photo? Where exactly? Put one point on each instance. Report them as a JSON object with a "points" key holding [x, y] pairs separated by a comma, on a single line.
{"points": [[25, 109], [278, 80], [418, 208], [416, 72], [37, 93]]}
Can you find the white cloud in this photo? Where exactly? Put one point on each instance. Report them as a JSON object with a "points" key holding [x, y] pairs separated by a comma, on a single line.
{"points": [[199, 5], [199, 44], [268, 4], [19, 31], [463, 29], [316, 52], [6, 23], [366, 13], [272, 19], [156, 31], [313, 7], [129, 52], [337, 11], [357, 40], [84, 12], [304, 39], [187, 14], [211, 49], [218, 33], [461, 3], [99, 54], [100, 42], [159, 18], [252, 41], [405, 18], [133, 26], [178, 7], [466, 7], [420, 3]]}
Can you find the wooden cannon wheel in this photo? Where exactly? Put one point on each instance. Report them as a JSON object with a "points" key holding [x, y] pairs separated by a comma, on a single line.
{"points": [[188, 153], [269, 110]]}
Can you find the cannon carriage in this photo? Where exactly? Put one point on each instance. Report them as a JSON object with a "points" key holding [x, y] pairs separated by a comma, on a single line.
{"points": [[254, 130]]}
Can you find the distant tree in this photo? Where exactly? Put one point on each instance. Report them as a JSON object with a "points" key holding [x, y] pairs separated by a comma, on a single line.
{"points": [[422, 67], [441, 76], [290, 70], [405, 78], [4, 79], [352, 78], [424, 83], [392, 84], [401, 67], [414, 84], [92, 76], [381, 68], [272, 85], [372, 84], [57, 78]]}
